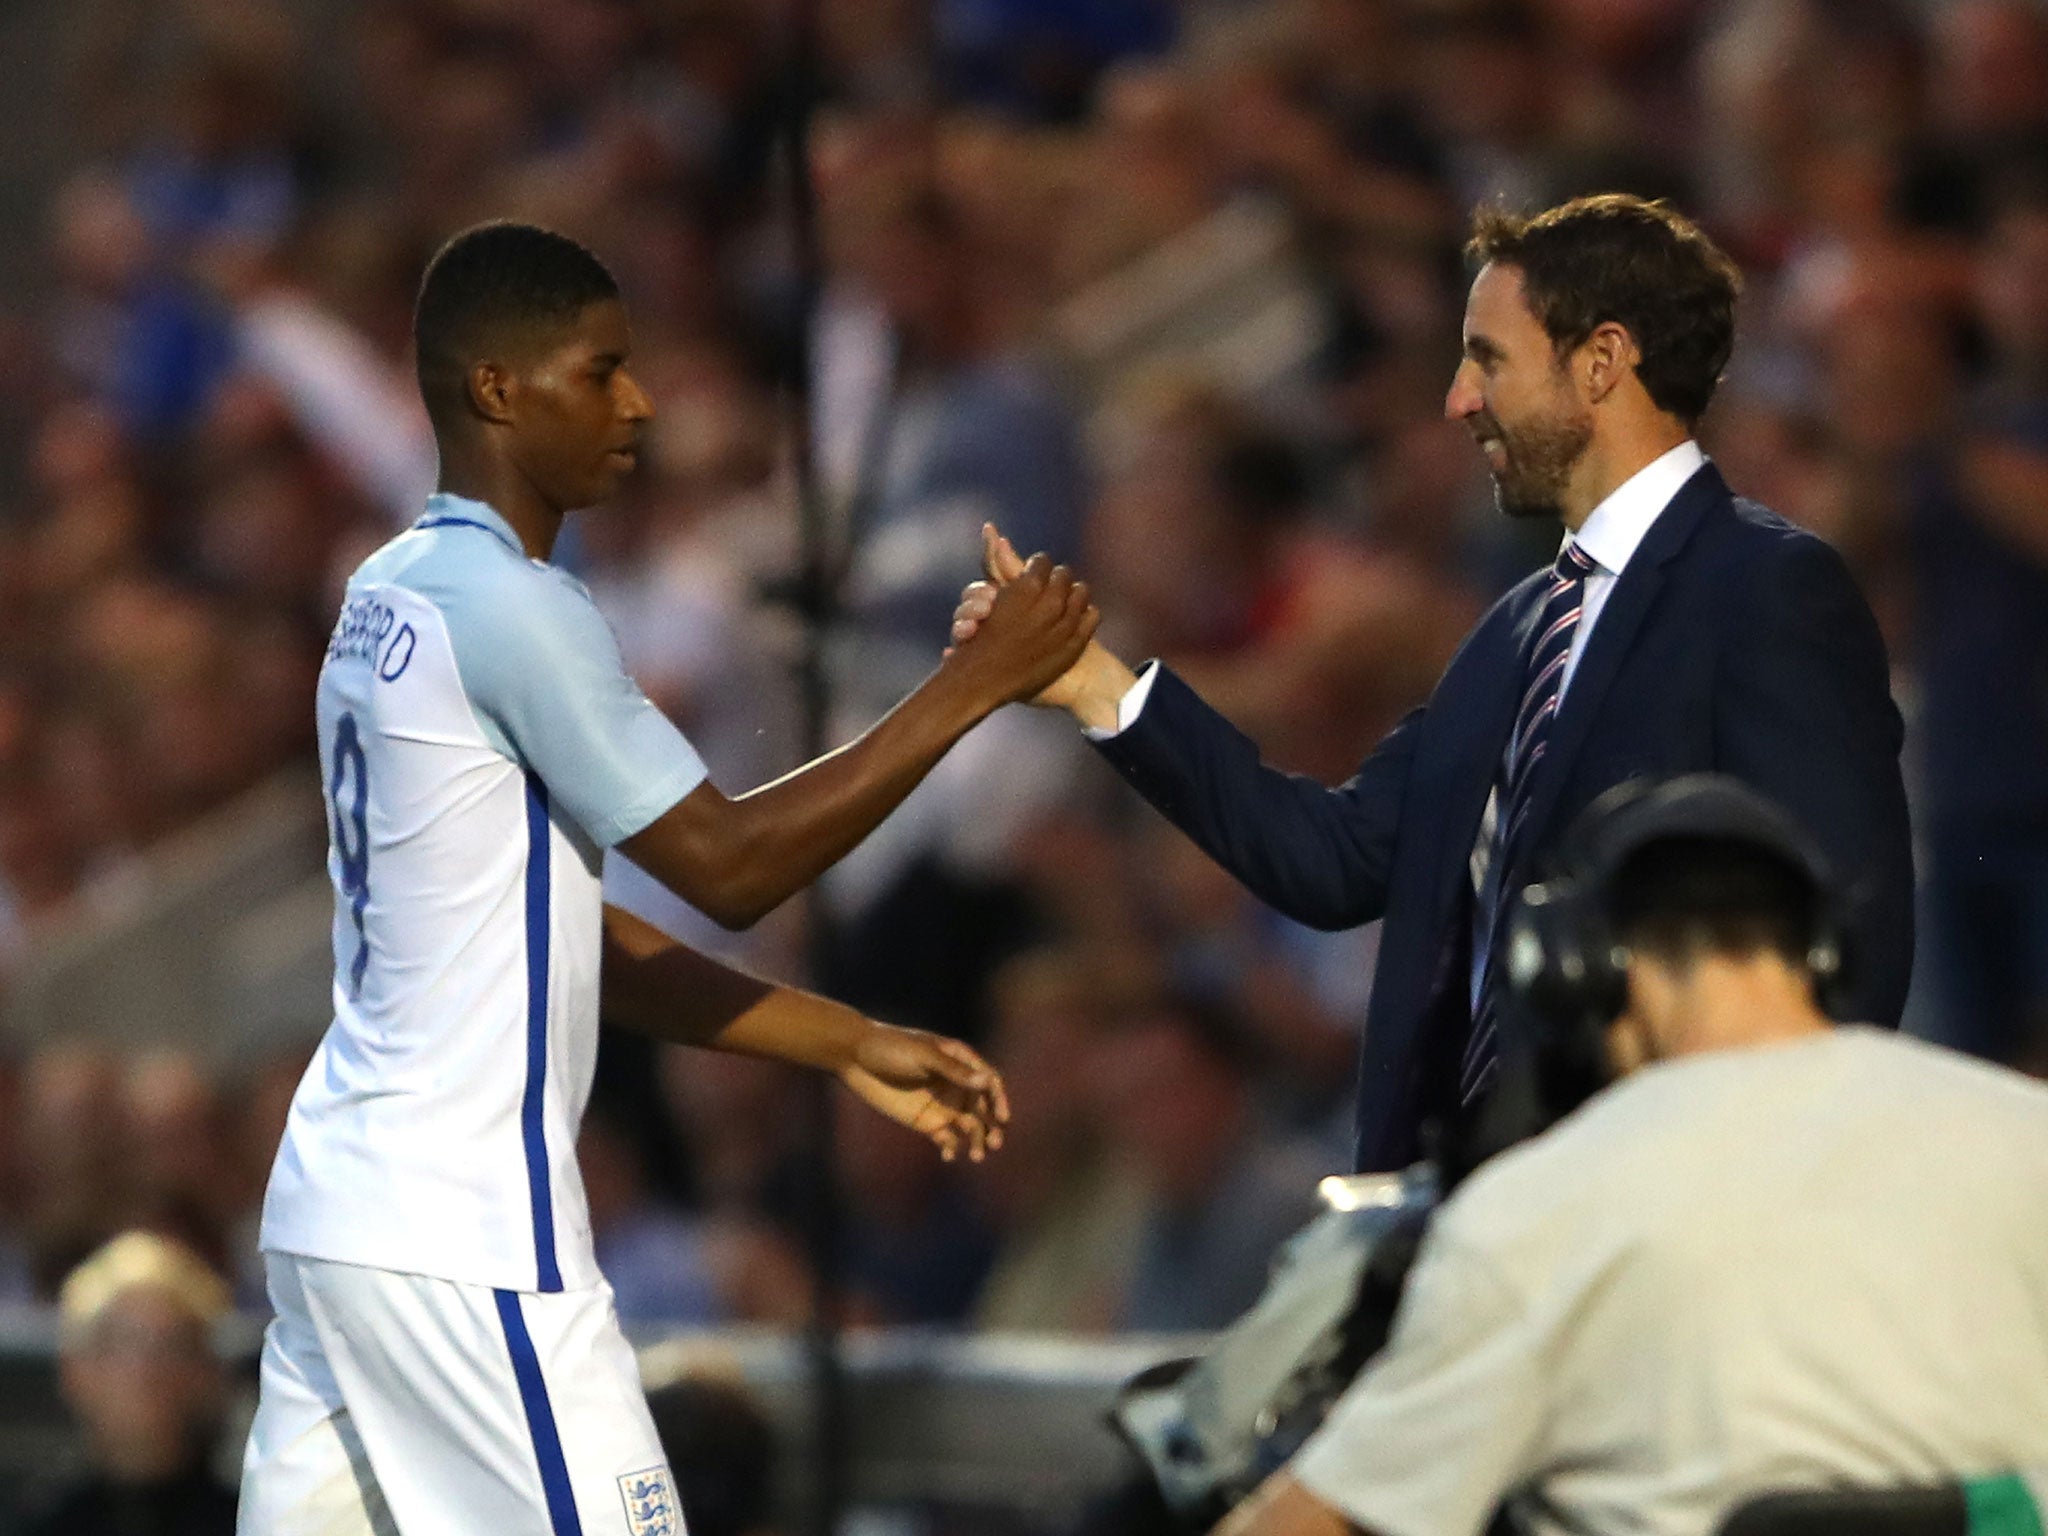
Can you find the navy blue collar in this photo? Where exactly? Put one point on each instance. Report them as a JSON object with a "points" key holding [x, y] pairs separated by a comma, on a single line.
{"points": [[446, 510]]}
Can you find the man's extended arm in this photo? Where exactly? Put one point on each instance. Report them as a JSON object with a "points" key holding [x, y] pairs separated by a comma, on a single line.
{"points": [[737, 859], [656, 986], [1321, 855]]}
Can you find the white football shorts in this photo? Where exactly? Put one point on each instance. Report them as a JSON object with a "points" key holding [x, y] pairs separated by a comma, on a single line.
{"points": [[395, 1403]]}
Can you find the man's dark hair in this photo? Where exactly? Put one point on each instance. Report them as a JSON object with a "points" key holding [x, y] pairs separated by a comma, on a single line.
{"points": [[1679, 899], [1617, 257], [486, 282]]}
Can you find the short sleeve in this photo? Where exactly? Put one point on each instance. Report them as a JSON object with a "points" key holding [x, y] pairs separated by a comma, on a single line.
{"points": [[1439, 1429], [540, 664]]}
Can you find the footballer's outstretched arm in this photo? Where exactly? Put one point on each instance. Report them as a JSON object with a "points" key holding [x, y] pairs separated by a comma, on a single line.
{"points": [[938, 1087], [736, 860]]}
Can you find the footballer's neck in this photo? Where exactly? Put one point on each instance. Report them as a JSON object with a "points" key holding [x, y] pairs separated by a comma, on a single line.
{"points": [[506, 490]]}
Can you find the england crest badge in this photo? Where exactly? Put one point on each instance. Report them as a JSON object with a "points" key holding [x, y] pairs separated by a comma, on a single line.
{"points": [[651, 1507]]}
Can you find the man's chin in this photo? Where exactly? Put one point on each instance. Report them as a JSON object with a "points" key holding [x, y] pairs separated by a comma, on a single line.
{"points": [[1521, 505], [604, 487]]}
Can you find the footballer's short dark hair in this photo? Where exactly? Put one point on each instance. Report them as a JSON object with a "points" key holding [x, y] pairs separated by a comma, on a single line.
{"points": [[484, 283]]}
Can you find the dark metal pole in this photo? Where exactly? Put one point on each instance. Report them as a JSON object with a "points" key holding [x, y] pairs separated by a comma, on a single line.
{"points": [[817, 591]]}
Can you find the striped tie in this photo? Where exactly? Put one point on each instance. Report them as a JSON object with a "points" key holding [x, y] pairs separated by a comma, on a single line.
{"points": [[1562, 606]]}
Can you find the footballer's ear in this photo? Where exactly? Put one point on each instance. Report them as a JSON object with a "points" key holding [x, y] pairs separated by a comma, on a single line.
{"points": [[489, 388]]}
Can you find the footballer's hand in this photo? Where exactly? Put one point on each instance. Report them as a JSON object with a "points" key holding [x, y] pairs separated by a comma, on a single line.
{"points": [[937, 1087], [1035, 628], [1089, 689]]}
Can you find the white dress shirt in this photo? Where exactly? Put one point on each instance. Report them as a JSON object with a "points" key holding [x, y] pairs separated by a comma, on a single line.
{"points": [[1613, 529]]}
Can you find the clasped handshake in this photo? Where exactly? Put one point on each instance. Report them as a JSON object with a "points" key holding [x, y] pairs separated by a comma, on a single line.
{"points": [[1035, 600]]}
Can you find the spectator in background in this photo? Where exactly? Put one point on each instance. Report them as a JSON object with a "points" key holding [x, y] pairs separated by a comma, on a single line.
{"points": [[1148, 172], [1987, 108], [1300, 994], [210, 177], [723, 1452], [1173, 1085], [916, 1246], [140, 1372], [932, 427], [176, 1151], [732, 1117], [1066, 1212], [1979, 547], [73, 1182], [40, 866], [16, 1286], [1488, 86], [1039, 57], [1314, 641], [930, 422], [652, 1254], [677, 572]]}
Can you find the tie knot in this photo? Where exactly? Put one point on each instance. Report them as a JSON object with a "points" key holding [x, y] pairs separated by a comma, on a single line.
{"points": [[1574, 564]]}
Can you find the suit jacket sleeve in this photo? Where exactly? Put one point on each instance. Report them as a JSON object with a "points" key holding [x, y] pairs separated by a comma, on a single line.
{"points": [[1807, 716], [1320, 855]]}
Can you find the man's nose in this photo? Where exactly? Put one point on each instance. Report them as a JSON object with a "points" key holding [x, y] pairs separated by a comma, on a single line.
{"points": [[1463, 399], [634, 405]]}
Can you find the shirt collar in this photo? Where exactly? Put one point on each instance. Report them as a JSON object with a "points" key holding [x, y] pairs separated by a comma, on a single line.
{"points": [[1610, 535], [446, 507]]}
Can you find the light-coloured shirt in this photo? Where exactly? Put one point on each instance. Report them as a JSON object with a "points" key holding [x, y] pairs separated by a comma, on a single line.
{"points": [[1613, 530], [480, 745], [1815, 1262]]}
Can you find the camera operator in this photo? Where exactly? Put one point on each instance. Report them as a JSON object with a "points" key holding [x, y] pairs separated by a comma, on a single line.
{"points": [[1776, 1254]]}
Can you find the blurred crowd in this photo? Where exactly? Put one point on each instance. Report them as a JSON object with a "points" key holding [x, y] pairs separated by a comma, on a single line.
{"points": [[139, 1334], [1171, 288]]}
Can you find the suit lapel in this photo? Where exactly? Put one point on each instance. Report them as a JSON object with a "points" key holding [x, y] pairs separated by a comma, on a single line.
{"points": [[1474, 752], [1634, 594]]}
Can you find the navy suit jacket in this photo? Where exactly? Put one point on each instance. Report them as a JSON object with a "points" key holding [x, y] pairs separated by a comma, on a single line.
{"points": [[1733, 641]]}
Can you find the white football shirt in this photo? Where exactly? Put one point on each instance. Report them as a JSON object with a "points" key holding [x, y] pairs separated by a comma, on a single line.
{"points": [[480, 746]]}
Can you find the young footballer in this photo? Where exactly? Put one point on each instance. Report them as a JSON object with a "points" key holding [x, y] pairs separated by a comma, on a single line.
{"points": [[445, 1356]]}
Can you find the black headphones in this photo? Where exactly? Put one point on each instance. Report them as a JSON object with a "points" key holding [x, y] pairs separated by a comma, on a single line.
{"points": [[1563, 960]]}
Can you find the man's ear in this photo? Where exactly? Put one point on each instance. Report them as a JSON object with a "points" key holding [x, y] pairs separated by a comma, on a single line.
{"points": [[489, 388], [1606, 358], [1631, 1037], [1626, 1050]]}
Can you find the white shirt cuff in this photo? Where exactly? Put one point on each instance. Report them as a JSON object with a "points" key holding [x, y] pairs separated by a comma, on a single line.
{"points": [[1130, 706]]}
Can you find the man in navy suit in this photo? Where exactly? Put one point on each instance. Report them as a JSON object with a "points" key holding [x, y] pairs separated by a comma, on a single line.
{"points": [[1682, 629]]}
